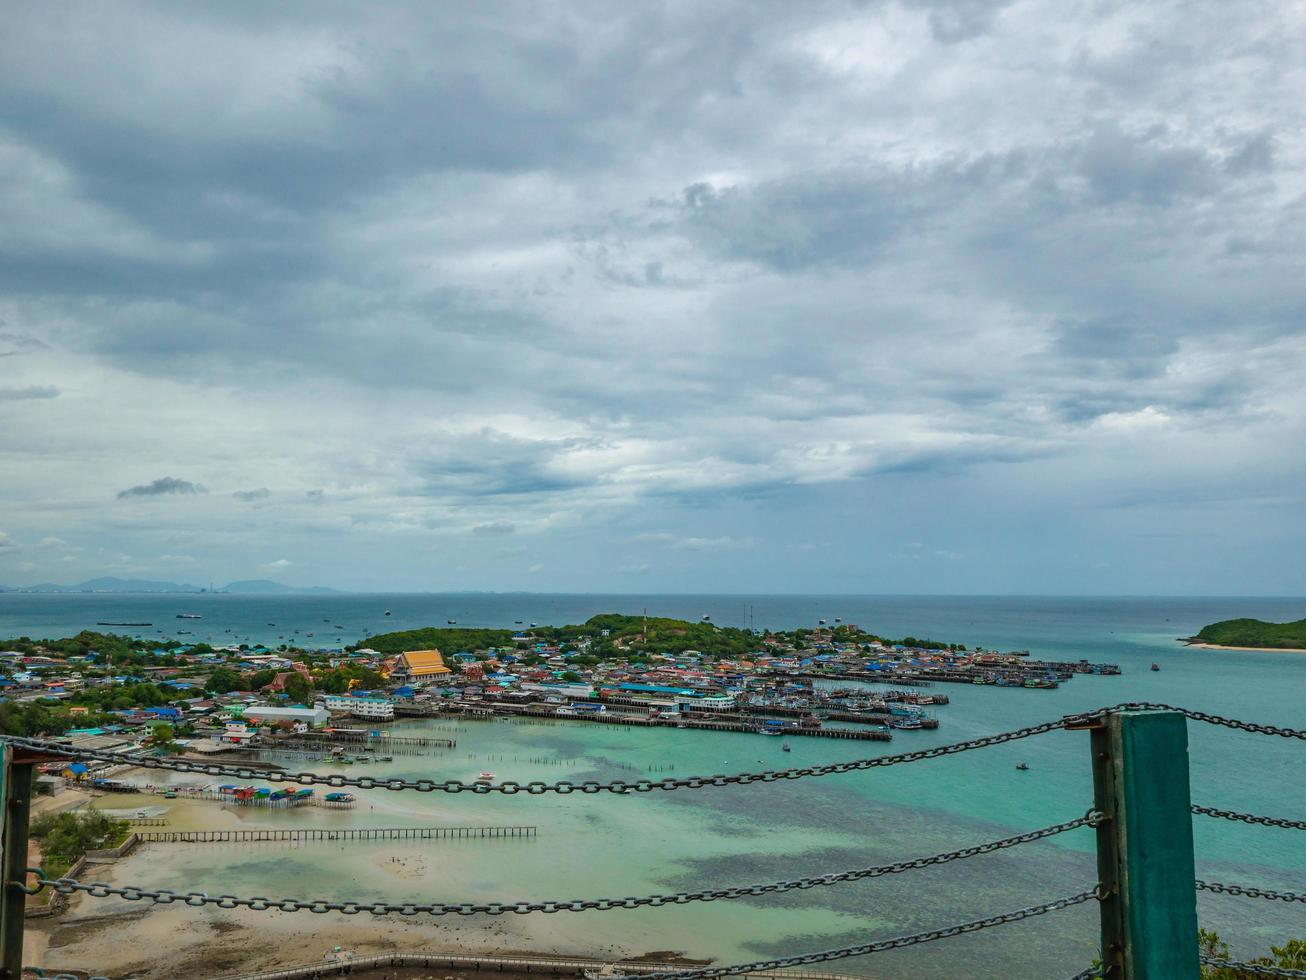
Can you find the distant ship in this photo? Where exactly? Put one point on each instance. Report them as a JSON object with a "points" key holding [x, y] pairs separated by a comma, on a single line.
{"points": [[452, 622], [189, 616], [706, 618], [387, 612]]}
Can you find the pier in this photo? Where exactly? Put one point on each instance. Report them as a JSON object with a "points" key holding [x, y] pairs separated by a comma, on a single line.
{"points": [[360, 737], [750, 728], [268, 835]]}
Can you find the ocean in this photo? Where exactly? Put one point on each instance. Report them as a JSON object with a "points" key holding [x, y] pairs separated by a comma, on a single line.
{"points": [[590, 846]]}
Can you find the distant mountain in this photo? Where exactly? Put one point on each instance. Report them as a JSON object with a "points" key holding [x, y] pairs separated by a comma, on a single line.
{"points": [[110, 584], [262, 586]]}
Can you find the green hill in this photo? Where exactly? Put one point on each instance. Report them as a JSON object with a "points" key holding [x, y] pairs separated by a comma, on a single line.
{"points": [[1254, 633]]}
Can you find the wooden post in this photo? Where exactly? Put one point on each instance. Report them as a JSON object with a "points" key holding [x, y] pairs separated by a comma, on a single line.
{"points": [[16, 794], [1145, 847]]}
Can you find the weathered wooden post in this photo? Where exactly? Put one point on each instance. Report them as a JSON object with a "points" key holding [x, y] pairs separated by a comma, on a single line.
{"points": [[16, 794], [1145, 846]]}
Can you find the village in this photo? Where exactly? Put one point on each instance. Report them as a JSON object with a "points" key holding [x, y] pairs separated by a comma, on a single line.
{"points": [[346, 707]]}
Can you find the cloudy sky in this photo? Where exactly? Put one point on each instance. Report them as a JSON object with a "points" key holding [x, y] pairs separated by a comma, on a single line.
{"points": [[918, 296]]}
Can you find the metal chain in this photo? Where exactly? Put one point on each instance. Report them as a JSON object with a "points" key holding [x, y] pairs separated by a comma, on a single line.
{"points": [[534, 788], [1249, 891], [1258, 969], [1250, 818], [1092, 973], [899, 942], [1210, 719], [538, 787], [165, 896]]}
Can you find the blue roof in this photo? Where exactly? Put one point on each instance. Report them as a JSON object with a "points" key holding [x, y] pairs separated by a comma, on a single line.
{"points": [[79, 768]]}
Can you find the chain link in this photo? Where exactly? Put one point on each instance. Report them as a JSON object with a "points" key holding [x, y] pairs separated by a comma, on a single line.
{"points": [[1257, 969], [899, 942], [1203, 716], [1249, 818], [534, 788], [166, 896], [1249, 891], [1092, 973]]}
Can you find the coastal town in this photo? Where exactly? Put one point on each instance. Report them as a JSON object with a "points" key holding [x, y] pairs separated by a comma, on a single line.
{"points": [[348, 707]]}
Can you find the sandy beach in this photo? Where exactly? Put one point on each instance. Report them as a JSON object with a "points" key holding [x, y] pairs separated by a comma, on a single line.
{"points": [[1216, 646]]}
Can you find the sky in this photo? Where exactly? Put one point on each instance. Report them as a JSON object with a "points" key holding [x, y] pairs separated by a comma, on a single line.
{"points": [[930, 296]]}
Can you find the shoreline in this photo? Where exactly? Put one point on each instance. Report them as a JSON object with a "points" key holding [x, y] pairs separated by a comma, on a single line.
{"points": [[1217, 646]]}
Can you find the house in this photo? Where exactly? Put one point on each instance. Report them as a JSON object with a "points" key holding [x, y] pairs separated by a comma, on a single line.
{"points": [[265, 714], [416, 664], [381, 709]]}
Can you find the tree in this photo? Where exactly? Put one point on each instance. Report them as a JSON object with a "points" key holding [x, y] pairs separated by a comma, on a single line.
{"points": [[570, 676], [222, 680], [161, 735], [297, 688]]}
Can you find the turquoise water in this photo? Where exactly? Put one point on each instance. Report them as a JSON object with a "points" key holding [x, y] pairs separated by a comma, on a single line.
{"points": [[605, 845]]}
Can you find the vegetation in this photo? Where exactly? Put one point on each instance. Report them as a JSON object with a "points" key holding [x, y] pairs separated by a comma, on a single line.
{"points": [[347, 677], [46, 717], [447, 640], [1255, 633], [1291, 955], [65, 837]]}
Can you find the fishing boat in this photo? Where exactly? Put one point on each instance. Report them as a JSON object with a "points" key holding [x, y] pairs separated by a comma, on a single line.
{"points": [[769, 731], [387, 612], [189, 616], [485, 777], [1022, 766], [340, 797], [1156, 667], [452, 622], [785, 747]]}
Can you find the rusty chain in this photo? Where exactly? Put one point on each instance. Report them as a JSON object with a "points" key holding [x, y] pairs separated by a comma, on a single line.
{"points": [[1250, 818], [1249, 891]]}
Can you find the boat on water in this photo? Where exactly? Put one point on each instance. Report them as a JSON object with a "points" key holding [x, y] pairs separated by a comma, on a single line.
{"points": [[706, 618], [785, 747], [485, 777], [107, 623], [340, 797], [387, 612], [1022, 766], [189, 616], [1156, 667], [769, 731], [452, 622], [516, 622]]}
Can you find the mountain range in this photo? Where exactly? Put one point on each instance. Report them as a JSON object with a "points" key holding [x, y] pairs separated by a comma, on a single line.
{"points": [[110, 584]]}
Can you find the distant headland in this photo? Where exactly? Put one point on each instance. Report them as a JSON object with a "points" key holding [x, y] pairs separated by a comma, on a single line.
{"points": [[1251, 634], [137, 585]]}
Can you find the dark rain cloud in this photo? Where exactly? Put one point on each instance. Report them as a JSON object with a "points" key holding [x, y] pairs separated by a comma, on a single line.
{"points": [[162, 487]]}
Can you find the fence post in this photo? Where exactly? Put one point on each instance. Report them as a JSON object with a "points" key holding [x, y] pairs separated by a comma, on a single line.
{"points": [[16, 794], [1145, 847]]}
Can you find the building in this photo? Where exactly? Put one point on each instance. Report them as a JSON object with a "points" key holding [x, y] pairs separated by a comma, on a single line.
{"points": [[380, 709], [418, 665], [266, 714]]}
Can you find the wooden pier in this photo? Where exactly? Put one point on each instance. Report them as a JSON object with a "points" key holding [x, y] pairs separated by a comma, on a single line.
{"points": [[268, 835], [751, 728]]}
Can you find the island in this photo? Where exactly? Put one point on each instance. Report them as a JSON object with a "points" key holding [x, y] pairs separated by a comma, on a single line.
{"points": [[1251, 634]]}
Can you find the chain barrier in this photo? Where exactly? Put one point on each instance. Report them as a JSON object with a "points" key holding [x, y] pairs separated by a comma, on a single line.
{"points": [[1256, 969], [899, 942], [535, 788], [1203, 716], [165, 896], [539, 787], [1092, 973], [1249, 891], [1249, 818]]}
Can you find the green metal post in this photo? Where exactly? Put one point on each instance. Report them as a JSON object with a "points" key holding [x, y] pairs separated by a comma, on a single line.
{"points": [[1145, 847], [17, 798]]}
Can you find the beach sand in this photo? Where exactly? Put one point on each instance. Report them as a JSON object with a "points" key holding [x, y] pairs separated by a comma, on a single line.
{"points": [[1216, 646]]}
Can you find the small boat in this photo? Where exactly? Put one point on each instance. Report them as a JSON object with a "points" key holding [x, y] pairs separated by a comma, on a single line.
{"points": [[1022, 766], [387, 612], [1155, 667], [820, 622], [517, 622], [485, 777], [535, 624], [189, 616], [452, 622], [706, 618], [769, 731]]}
